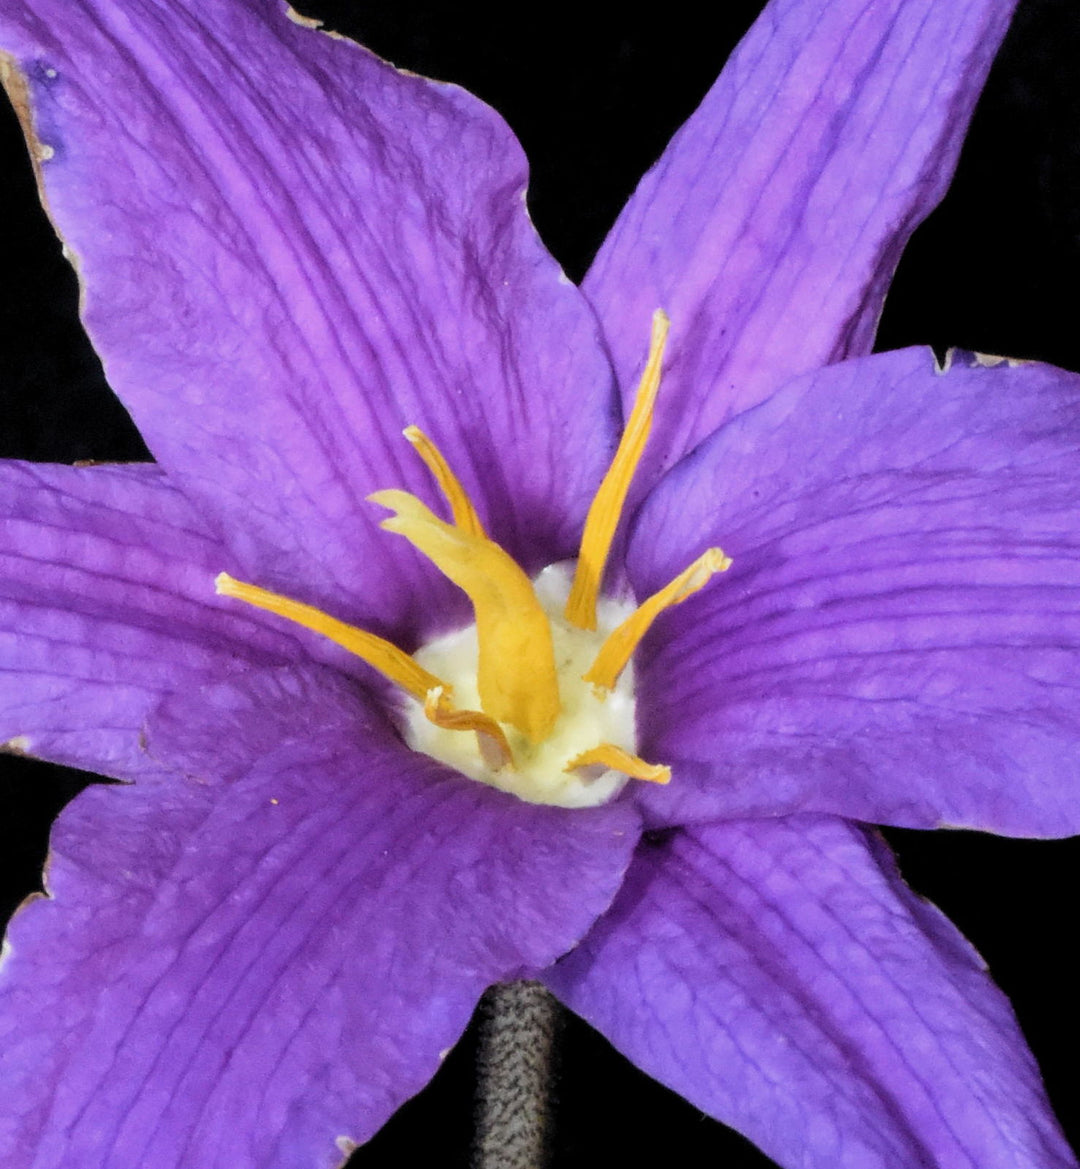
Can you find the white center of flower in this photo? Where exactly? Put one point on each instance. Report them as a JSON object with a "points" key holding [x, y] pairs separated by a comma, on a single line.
{"points": [[538, 773]]}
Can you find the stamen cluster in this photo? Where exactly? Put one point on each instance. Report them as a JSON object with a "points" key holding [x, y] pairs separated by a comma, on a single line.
{"points": [[542, 679]]}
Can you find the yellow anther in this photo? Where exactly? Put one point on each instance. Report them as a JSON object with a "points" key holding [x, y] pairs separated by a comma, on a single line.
{"points": [[490, 738], [608, 757], [607, 504], [516, 675], [623, 640], [383, 655], [460, 505]]}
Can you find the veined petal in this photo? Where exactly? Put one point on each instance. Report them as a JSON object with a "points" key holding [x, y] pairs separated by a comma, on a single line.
{"points": [[782, 977], [771, 226], [253, 965], [107, 604], [291, 251], [898, 639]]}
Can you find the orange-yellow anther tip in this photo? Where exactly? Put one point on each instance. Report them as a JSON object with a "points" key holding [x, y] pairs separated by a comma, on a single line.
{"points": [[659, 773], [608, 757], [490, 738]]}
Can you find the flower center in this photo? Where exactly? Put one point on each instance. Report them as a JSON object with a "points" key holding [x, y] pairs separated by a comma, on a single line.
{"points": [[536, 697], [586, 716]]}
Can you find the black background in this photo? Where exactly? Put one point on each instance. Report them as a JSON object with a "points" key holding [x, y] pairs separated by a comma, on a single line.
{"points": [[594, 102]]}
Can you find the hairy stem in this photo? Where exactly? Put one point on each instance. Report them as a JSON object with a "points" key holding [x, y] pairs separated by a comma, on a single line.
{"points": [[519, 1028]]}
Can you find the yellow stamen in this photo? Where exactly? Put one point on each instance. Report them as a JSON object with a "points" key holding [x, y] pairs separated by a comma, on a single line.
{"points": [[516, 675], [622, 641], [460, 505], [611, 758], [391, 662], [494, 748], [607, 505]]}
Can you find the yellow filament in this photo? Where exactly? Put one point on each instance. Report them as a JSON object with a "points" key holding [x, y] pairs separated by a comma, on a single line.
{"points": [[490, 738], [607, 505], [612, 758], [622, 641], [460, 505], [391, 662], [516, 669]]}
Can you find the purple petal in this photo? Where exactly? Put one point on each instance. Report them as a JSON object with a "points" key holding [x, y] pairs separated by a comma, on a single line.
{"points": [[771, 226], [898, 638], [783, 978], [106, 604], [291, 251], [241, 967]]}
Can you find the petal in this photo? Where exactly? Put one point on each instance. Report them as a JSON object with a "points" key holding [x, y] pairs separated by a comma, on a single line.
{"points": [[898, 638], [240, 967], [770, 228], [106, 604], [783, 978], [291, 251]]}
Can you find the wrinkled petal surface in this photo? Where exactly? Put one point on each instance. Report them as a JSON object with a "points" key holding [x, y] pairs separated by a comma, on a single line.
{"points": [[245, 965], [783, 978], [897, 639], [770, 228], [106, 604], [290, 252]]}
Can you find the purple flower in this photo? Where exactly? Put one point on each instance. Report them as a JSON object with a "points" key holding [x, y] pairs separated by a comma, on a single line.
{"points": [[290, 252]]}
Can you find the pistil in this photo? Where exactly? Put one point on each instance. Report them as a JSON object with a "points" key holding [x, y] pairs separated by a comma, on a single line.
{"points": [[461, 507], [516, 673]]}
